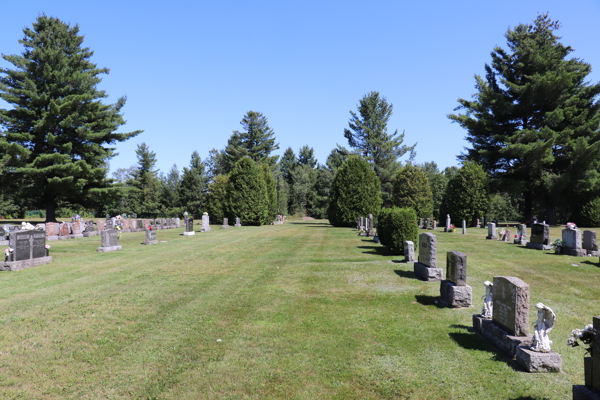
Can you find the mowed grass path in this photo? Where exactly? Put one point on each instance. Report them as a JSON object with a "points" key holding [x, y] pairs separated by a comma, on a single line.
{"points": [[302, 311]]}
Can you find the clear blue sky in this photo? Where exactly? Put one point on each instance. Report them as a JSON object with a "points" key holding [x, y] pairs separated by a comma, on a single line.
{"points": [[191, 70]]}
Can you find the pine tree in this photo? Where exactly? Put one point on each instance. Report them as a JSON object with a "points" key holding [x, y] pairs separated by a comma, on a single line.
{"points": [[534, 120], [146, 182], [368, 134], [216, 198], [256, 142], [287, 163], [306, 156], [192, 188], [169, 198], [58, 132]]}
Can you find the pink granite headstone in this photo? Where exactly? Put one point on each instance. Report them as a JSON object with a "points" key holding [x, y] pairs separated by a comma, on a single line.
{"points": [[76, 228], [51, 229], [125, 224], [100, 225]]}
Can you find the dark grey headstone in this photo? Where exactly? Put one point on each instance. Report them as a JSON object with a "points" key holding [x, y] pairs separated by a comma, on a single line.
{"points": [[540, 233], [39, 244], [22, 245], [189, 225], [589, 240], [456, 267], [511, 305], [427, 249]]}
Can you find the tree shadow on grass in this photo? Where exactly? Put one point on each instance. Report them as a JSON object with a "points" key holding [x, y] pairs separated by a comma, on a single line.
{"points": [[528, 398], [377, 250], [595, 264], [429, 300], [469, 340], [405, 274]]}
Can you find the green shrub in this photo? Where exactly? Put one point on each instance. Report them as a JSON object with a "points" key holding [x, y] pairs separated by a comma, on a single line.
{"points": [[466, 195], [412, 189], [355, 191], [247, 196], [591, 212], [396, 225]]}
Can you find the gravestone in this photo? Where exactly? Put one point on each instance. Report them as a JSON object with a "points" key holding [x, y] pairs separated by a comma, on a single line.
{"points": [[205, 224], [126, 225], [421, 223], [188, 224], [508, 328], [29, 250], [370, 226], [491, 231], [454, 291], [52, 231], [506, 236], [150, 236], [540, 237], [77, 232], [521, 233], [64, 230], [464, 227], [434, 224], [237, 223], [426, 268], [511, 305], [448, 223], [572, 240], [478, 225], [100, 225], [225, 223], [409, 251], [177, 222], [589, 243], [591, 389], [109, 241]]}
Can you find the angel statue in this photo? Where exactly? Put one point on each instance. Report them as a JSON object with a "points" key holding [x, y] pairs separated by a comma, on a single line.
{"points": [[487, 300], [544, 324]]}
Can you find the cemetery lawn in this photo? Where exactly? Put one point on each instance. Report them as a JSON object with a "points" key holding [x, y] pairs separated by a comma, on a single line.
{"points": [[295, 311]]}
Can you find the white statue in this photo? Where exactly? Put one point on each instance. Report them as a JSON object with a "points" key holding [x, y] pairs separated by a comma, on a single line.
{"points": [[544, 324], [488, 304]]}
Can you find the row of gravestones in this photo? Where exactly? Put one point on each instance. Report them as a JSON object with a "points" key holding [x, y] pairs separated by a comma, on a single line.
{"points": [[70, 230], [540, 239], [188, 224], [365, 226], [504, 319]]}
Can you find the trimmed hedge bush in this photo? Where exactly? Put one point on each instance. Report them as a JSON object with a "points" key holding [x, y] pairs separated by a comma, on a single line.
{"points": [[395, 225], [355, 191], [247, 196], [412, 189]]}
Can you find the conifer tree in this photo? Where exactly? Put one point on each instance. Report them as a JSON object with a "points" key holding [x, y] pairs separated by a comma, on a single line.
{"points": [[534, 120], [466, 195], [216, 198], [306, 156], [257, 141], [287, 163], [146, 182], [193, 185], [412, 190], [247, 196], [368, 134], [58, 132]]}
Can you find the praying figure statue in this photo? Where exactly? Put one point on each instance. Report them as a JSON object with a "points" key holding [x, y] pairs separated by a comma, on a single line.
{"points": [[544, 324], [487, 300]]}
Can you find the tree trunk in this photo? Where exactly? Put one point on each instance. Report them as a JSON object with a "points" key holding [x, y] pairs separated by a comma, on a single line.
{"points": [[528, 205], [50, 211]]}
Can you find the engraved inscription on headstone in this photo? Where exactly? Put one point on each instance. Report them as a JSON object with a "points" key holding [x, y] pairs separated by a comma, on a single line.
{"points": [[511, 304], [39, 244], [456, 270], [23, 248], [427, 249]]}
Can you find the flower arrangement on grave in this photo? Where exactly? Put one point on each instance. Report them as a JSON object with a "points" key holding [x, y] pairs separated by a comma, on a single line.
{"points": [[570, 225], [48, 247], [119, 232], [7, 253], [587, 337], [451, 228], [150, 227], [558, 246]]}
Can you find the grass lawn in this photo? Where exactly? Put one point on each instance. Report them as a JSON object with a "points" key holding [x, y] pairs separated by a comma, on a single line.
{"points": [[295, 311]]}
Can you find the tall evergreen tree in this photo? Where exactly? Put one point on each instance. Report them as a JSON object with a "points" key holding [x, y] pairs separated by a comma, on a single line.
{"points": [[169, 198], [368, 134], [193, 186], [257, 141], [534, 119], [58, 132], [247, 196], [146, 182], [306, 156], [287, 163], [216, 199]]}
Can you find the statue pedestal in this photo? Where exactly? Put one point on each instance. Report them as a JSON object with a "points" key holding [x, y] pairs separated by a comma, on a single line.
{"points": [[535, 361]]}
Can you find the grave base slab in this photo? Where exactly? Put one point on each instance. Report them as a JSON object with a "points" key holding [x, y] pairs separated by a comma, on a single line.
{"points": [[206, 229], [455, 296], [24, 264], [534, 361], [581, 392], [498, 336], [224, 226], [192, 233], [237, 225], [522, 242], [108, 248], [538, 246], [151, 242], [574, 252], [428, 274], [593, 253]]}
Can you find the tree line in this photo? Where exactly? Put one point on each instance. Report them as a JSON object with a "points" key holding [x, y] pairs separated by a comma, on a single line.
{"points": [[533, 127]]}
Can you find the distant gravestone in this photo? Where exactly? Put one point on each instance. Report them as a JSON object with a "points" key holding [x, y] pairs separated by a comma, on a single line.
{"points": [[225, 223], [540, 237], [511, 305], [205, 224], [448, 223], [409, 251], [64, 229], [426, 268], [454, 291], [572, 240], [589, 243], [188, 224], [52, 229], [109, 241], [521, 234], [491, 231], [150, 236], [237, 223], [434, 225], [100, 225], [464, 227]]}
